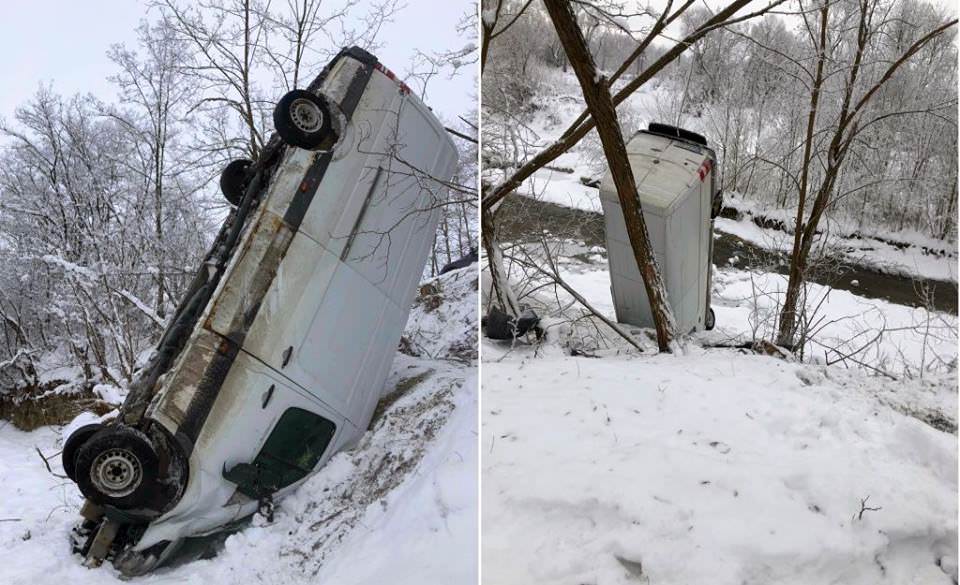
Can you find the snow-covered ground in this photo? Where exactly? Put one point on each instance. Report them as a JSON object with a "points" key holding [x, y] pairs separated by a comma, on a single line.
{"points": [[914, 255], [890, 337], [401, 507], [719, 465], [708, 467]]}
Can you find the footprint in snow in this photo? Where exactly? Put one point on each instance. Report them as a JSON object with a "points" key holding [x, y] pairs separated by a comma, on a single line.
{"points": [[720, 446]]}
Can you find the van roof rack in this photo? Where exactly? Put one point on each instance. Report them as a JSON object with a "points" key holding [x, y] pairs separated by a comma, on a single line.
{"points": [[675, 132]]}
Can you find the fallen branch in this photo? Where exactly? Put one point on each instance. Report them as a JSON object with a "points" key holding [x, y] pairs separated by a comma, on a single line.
{"points": [[865, 508], [46, 462]]}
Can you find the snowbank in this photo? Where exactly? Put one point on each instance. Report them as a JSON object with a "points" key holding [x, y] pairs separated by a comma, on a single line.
{"points": [[708, 467], [905, 253]]}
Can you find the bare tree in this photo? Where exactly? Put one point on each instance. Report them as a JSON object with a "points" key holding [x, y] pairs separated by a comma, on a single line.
{"points": [[858, 89], [596, 92]]}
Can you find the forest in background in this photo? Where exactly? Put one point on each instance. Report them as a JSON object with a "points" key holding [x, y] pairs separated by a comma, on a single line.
{"points": [[746, 87]]}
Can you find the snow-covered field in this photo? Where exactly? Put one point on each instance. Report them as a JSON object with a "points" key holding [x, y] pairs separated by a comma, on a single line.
{"points": [[708, 467], [401, 507], [719, 465]]}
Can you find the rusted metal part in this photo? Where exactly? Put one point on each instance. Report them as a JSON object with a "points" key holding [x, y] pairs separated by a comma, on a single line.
{"points": [[100, 545], [90, 511]]}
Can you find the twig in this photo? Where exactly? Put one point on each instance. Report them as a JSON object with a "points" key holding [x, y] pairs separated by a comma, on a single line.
{"points": [[865, 508], [47, 463]]}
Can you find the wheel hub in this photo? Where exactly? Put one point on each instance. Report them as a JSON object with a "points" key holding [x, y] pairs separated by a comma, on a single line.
{"points": [[306, 115], [116, 472]]}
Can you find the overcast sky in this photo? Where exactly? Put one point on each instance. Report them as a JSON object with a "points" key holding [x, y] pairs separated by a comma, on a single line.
{"points": [[70, 49]]}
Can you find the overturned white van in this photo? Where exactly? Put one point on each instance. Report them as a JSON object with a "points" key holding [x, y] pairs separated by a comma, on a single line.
{"points": [[674, 171], [277, 355]]}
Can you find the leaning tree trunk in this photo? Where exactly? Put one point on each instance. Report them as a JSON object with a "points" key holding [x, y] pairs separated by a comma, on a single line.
{"points": [[596, 93]]}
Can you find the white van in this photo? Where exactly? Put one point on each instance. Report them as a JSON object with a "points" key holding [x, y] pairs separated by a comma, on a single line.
{"points": [[278, 354], [675, 174]]}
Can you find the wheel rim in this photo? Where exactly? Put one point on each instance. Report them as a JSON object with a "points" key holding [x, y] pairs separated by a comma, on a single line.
{"points": [[306, 115], [116, 472]]}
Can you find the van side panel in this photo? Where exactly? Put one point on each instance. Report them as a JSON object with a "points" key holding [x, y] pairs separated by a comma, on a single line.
{"points": [[225, 441], [341, 296]]}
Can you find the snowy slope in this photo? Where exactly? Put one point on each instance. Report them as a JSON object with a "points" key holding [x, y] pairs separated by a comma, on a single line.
{"points": [[398, 508], [708, 467]]}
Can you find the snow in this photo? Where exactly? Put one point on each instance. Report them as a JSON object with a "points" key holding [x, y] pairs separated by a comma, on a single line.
{"points": [[915, 256], [720, 465], [110, 393], [70, 266], [400, 507], [746, 303], [911, 339], [564, 103], [706, 467]]}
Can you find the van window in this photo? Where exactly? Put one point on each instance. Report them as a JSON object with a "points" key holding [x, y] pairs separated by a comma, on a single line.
{"points": [[292, 450]]}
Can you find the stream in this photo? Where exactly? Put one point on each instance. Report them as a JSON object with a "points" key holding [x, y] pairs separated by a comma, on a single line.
{"points": [[521, 216]]}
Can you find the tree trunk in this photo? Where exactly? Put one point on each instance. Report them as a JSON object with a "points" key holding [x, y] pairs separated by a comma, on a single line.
{"points": [[600, 104], [499, 285], [788, 315]]}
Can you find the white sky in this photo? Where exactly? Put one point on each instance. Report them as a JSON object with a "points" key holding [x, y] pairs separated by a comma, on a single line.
{"points": [[65, 42]]}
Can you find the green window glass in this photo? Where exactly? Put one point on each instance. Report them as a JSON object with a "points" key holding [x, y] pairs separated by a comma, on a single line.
{"points": [[292, 450]]}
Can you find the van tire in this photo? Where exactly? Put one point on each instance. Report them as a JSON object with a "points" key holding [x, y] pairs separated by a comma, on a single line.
{"points": [[710, 320], [137, 458], [234, 180], [303, 119], [72, 445]]}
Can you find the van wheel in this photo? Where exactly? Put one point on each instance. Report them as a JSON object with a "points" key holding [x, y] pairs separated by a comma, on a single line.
{"points": [[117, 467], [303, 119], [234, 179], [710, 321], [73, 443]]}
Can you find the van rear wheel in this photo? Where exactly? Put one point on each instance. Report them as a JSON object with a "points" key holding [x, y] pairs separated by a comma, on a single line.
{"points": [[303, 119], [234, 179], [710, 320]]}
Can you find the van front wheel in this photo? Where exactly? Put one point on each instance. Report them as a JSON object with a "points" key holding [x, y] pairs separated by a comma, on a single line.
{"points": [[303, 119]]}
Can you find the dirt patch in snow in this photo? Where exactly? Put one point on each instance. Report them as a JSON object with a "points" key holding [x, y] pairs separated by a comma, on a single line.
{"points": [[56, 402]]}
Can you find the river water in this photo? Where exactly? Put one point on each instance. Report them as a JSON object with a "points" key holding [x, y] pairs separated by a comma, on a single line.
{"points": [[520, 217]]}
